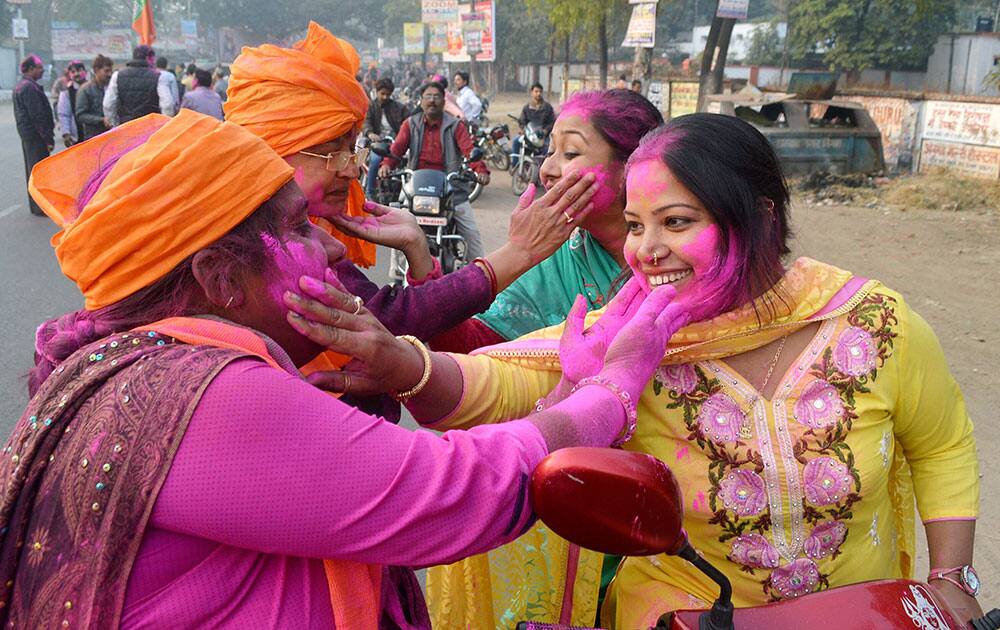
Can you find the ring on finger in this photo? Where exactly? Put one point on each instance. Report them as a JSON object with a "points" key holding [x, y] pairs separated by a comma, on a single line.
{"points": [[358, 303], [569, 219], [347, 382]]}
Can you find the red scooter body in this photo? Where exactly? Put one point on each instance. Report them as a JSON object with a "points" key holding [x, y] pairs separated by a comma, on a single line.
{"points": [[876, 605], [630, 504]]}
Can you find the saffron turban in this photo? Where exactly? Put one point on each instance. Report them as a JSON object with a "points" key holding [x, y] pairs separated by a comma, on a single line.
{"points": [[299, 97], [179, 184]]}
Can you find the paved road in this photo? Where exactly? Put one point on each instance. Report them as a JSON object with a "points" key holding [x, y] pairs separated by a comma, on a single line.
{"points": [[32, 289]]}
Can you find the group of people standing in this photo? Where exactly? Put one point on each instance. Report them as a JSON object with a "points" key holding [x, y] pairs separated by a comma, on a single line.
{"points": [[182, 461], [85, 108]]}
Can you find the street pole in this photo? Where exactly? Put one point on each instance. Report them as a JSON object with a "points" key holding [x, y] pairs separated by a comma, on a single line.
{"points": [[20, 42]]}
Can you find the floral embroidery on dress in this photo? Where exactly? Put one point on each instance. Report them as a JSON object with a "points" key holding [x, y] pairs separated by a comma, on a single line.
{"points": [[826, 481], [681, 379], [741, 498], [743, 492], [819, 405], [720, 419]]}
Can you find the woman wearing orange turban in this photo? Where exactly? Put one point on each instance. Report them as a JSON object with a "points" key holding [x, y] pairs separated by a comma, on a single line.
{"points": [[306, 103], [173, 469]]}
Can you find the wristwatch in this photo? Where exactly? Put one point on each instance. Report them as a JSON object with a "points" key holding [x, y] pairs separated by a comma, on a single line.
{"points": [[966, 579]]}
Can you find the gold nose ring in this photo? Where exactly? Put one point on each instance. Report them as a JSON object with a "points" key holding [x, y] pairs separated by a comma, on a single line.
{"points": [[655, 259]]}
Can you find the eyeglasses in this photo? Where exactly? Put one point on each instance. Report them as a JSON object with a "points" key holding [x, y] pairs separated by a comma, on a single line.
{"points": [[339, 160], [432, 97]]}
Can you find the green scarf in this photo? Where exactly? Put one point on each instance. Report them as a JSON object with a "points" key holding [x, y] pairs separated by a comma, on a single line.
{"points": [[543, 296]]}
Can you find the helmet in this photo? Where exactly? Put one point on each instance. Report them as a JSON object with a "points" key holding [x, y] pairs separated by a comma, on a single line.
{"points": [[534, 136]]}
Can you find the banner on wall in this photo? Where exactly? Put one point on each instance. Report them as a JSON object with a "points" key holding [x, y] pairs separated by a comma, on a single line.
{"points": [[641, 26], [438, 11], [475, 25], [438, 40], [413, 38]]}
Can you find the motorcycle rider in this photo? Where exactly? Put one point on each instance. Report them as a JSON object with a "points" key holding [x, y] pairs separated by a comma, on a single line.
{"points": [[539, 113], [385, 116], [438, 141]]}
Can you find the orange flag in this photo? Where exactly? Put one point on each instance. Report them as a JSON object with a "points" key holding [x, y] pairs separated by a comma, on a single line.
{"points": [[142, 21]]}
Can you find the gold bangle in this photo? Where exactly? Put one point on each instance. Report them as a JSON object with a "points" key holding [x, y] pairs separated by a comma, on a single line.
{"points": [[425, 377]]}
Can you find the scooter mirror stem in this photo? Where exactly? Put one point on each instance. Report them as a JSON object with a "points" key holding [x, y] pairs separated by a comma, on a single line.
{"points": [[720, 617]]}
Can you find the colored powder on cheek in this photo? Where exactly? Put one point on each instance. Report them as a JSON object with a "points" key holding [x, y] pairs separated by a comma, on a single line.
{"points": [[633, 262], [703, 250], [608, 187]]}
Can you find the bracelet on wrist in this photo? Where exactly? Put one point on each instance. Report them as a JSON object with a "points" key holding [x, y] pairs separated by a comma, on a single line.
{"points": [[631, 414], [491, 273], [425, 377], [434, 274]]}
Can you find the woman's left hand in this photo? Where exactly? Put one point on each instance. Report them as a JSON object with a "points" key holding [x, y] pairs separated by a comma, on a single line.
{"points": [[965, 606], [391, 227]]}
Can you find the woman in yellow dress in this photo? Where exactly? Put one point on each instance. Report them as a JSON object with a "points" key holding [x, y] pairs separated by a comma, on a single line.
{"points": [[802, 410]]}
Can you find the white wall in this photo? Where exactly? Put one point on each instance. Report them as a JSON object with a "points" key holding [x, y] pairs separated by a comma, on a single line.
{"points": [[971, 56], [9, 72], [739, 45]]}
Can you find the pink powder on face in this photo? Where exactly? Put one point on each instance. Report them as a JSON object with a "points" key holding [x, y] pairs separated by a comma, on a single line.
{"points": [[290, 261], [713, 286], [644, 183], [608, 185]]}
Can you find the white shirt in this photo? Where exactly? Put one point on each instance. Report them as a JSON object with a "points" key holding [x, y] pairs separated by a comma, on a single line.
{"points": [[168, 107], [470, 103]]}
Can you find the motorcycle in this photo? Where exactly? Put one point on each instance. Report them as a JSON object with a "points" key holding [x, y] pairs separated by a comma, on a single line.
{"points": [[629, 504], [527, 163], [495, 143], [428, 195]]}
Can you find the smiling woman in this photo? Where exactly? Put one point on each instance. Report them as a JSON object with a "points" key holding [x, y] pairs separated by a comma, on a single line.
{"points": [[797, 483]]}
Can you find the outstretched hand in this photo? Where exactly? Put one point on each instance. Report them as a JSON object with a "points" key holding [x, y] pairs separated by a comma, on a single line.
{"points": [[637, 349], [581, 352], [391, 227]]}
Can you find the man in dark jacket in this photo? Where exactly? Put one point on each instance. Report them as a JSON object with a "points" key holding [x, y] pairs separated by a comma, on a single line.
{"points": [[439, 141], [90, 100], [385, 116], [35, 123], [540, 114], [138, 89]]}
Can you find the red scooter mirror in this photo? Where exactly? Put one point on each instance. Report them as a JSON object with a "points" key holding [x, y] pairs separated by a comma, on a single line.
{"points": [[613, 501]]}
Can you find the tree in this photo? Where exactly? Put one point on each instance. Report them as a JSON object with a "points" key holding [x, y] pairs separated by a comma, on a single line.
{"points": [[765, 46], [587, 20], [855, 35]]}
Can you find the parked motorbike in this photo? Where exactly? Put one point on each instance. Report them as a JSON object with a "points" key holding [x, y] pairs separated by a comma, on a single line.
{"points": [[428, 195], [630, 504], [495, 144], [527, 162]]}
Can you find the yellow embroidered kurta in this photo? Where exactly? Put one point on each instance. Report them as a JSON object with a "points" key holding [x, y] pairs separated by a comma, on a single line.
{"points": [[811, 490]]}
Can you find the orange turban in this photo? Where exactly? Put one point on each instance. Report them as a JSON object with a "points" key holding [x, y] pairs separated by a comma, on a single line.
{"points": [[179, 185], [295, 98]]}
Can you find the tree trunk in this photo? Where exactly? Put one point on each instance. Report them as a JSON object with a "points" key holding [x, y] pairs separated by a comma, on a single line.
{"points": [[565, 77], [552, 63], [602, 38], [713, 60]]}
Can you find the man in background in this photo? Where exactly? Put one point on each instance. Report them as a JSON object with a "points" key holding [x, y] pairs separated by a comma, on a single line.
{"points": [[385, 117], [138, 89], [33, 115], [201, 97], [161, 65], [471, 106], [90, 100], [66, 105]]}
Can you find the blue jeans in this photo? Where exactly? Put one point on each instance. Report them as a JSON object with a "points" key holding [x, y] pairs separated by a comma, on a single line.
{"points": [[374, 161]]}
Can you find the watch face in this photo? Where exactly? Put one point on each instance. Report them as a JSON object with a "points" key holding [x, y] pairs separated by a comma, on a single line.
{"points": [[970, 579]]}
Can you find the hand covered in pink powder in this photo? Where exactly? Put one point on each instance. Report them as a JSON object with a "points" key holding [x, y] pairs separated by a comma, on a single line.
{"points": [[391, 227], [581, 352], [638, 348]]}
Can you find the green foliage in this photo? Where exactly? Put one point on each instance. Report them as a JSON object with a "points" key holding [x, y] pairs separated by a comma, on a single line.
{"points": [[854, 35], [765, 47]]}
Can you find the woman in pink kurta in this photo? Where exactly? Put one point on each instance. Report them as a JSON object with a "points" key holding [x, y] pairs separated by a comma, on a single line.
{"points": [[173, 469]]}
